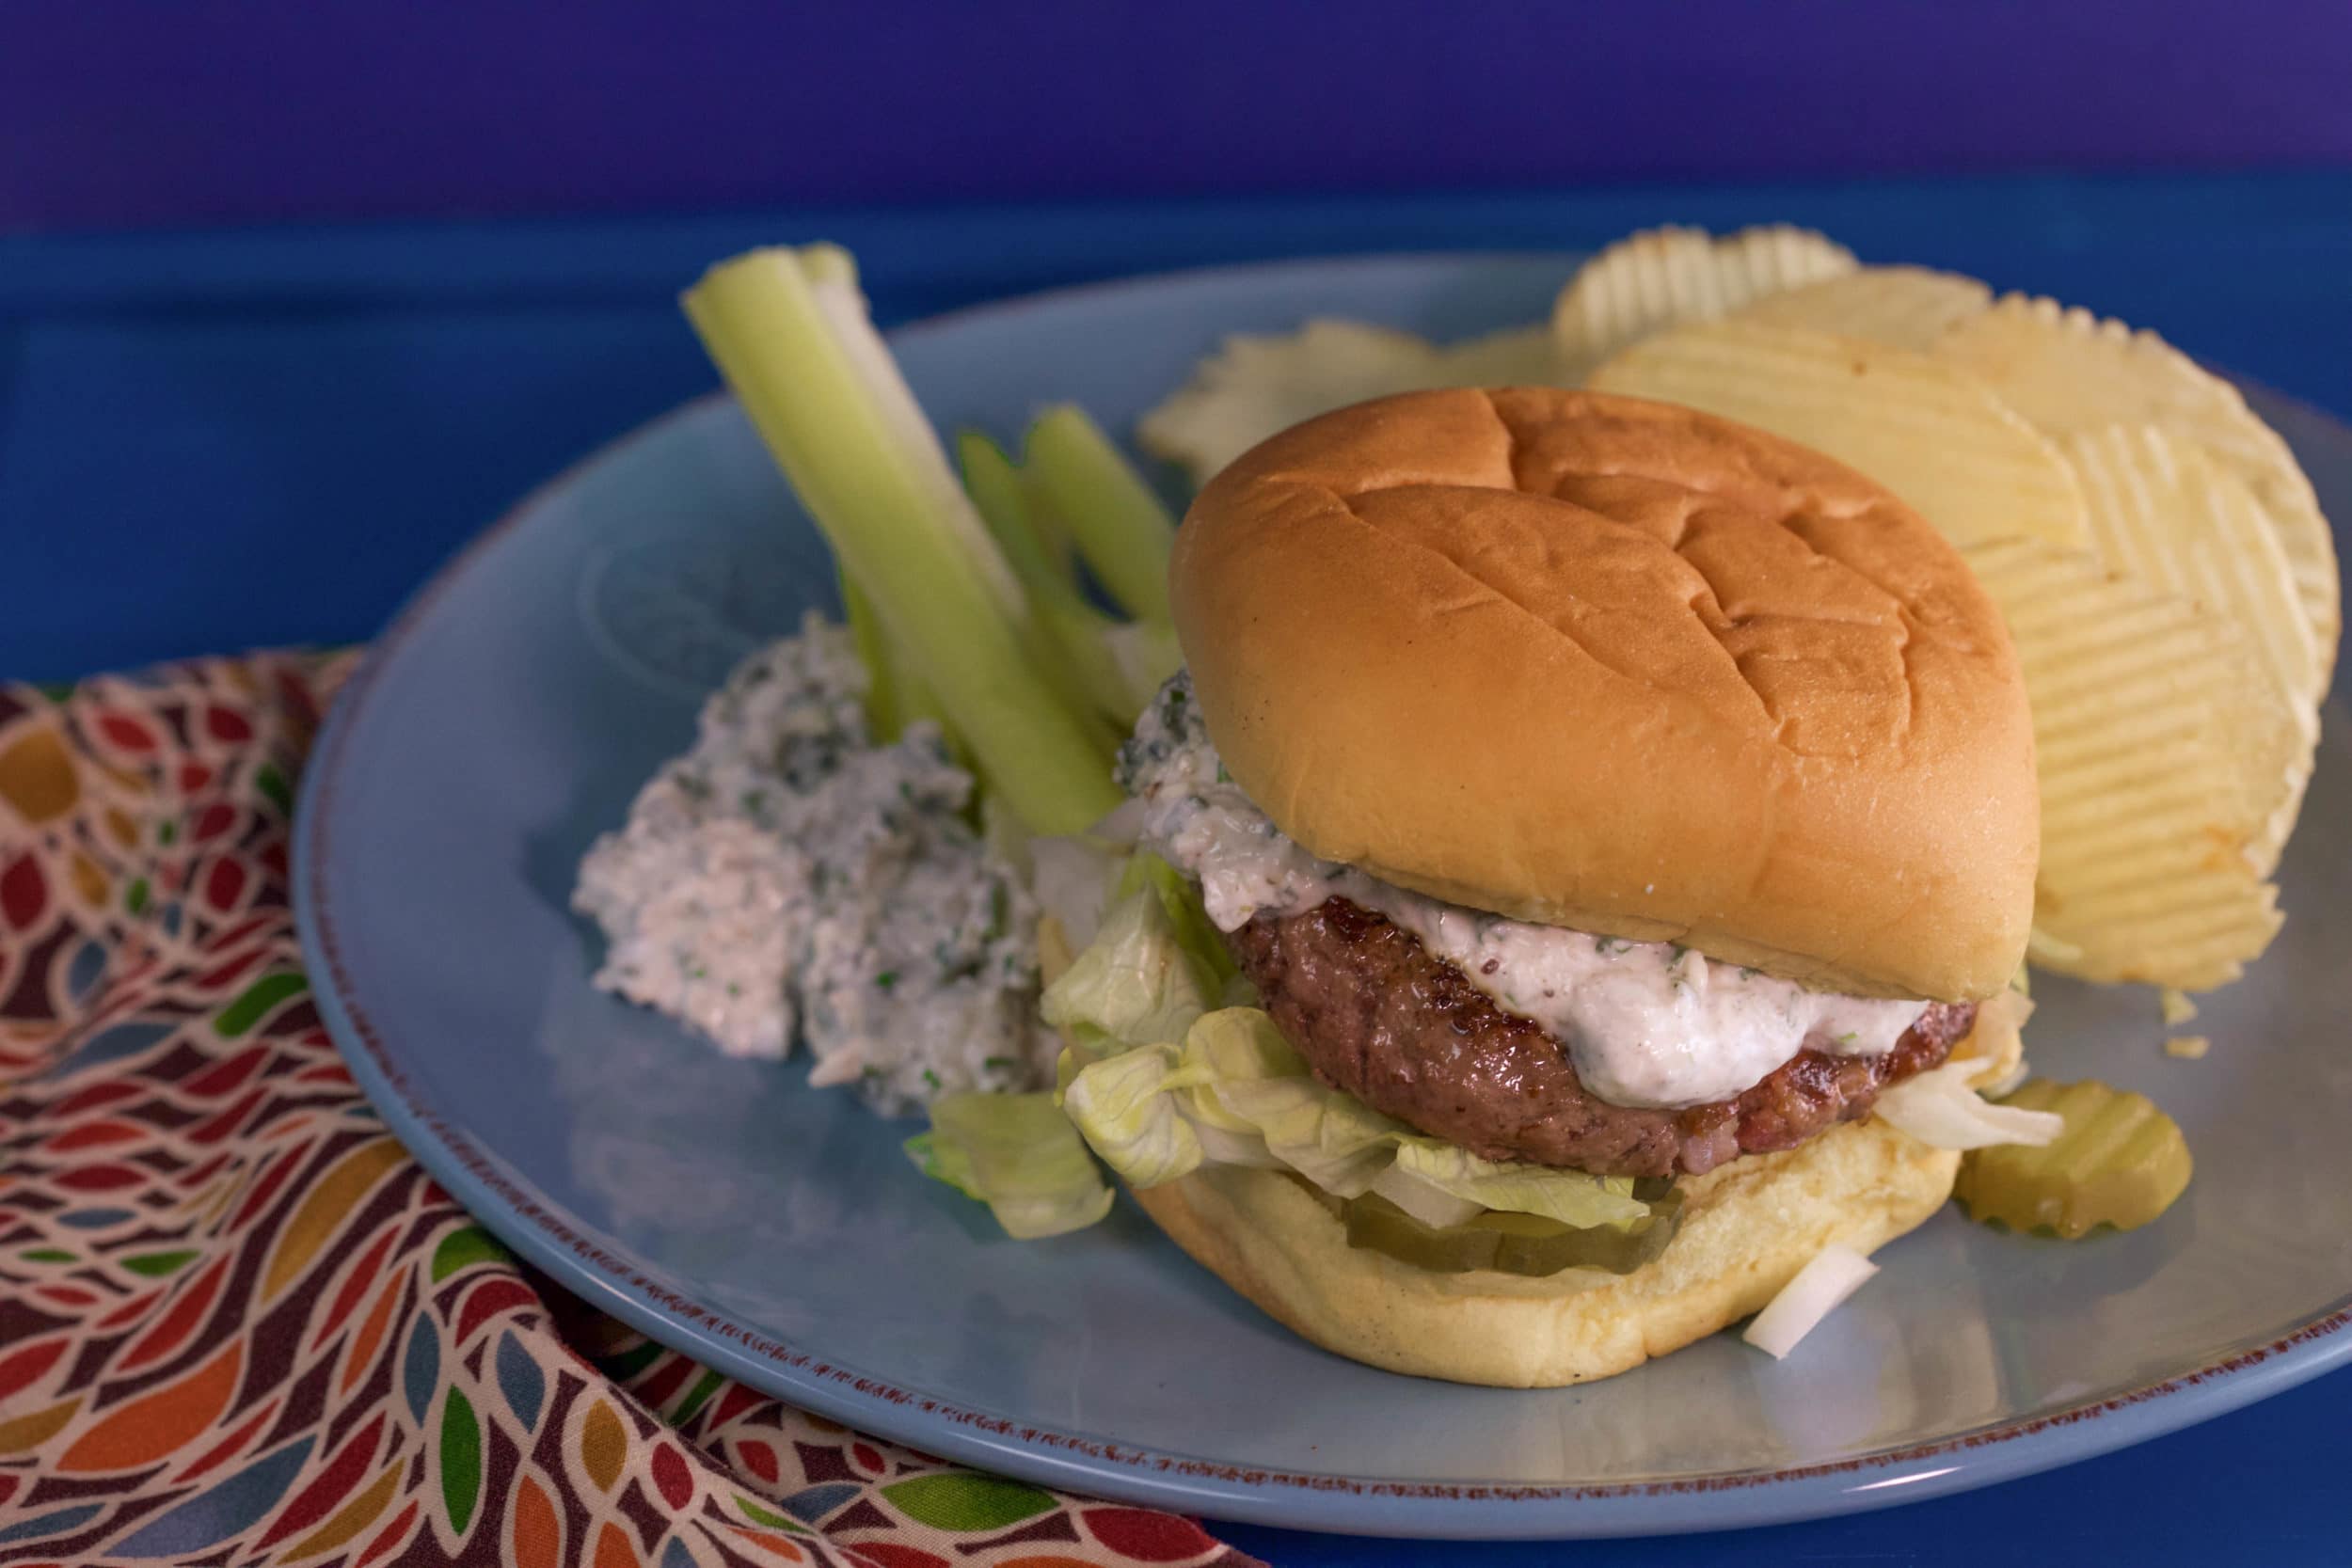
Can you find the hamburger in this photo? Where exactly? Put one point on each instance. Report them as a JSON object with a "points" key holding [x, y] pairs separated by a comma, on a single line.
{"points": [[1598, 805]]}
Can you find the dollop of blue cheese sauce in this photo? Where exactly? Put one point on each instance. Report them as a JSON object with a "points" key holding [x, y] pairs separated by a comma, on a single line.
{"points": [[1646, 1023], [789, 878]]}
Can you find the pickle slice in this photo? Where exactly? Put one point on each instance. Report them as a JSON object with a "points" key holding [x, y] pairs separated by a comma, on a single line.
{"points": [[2121, 1161], [1527, 1245]]}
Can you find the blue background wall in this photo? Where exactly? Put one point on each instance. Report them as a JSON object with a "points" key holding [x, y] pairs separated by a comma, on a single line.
{"points": [[115, 112]]}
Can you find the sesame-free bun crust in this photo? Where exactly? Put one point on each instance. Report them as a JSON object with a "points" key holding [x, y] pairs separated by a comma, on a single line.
{"points": [[1621, 666]]}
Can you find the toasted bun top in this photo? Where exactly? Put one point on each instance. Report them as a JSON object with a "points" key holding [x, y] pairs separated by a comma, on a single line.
{"points": [[1622, 666]]}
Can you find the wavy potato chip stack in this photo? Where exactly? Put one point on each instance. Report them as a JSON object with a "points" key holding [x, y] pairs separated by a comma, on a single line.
{"points": [[2160, 557]]}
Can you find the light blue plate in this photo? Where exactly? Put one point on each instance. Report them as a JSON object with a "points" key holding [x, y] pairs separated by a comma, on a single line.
{"points": [[776, 1232]]}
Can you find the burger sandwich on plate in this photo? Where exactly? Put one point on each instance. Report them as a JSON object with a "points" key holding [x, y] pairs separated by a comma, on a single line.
{"points": [[1588, 812]]}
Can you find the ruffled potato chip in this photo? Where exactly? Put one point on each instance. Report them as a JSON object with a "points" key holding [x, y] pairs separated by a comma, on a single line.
{"points": [[2068, 371], [2159, 746], [1927, 430], [1901, 307], [2174, 518], [1660, 276]]}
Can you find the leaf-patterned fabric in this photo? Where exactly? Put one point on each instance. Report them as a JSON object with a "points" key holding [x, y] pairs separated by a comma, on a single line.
{"points": [[238, 1324]]}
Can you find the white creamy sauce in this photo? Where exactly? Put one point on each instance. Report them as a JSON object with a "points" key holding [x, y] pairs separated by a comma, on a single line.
{"points": [[789, 878], [1646, 1023]]}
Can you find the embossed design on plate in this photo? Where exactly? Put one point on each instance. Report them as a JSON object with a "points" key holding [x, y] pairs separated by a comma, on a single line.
{"points": [[680, 619]]}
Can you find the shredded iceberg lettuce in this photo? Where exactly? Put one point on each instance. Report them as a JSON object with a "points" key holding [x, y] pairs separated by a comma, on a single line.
{"points": [[1235, 1092], [1159, 1080]]}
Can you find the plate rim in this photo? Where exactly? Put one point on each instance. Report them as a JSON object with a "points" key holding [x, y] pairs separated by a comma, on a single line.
{"points": [[1982, 1456]]}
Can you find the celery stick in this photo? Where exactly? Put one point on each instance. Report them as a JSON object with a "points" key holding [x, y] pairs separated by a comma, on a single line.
{"points": [[1085, 643], [895, 694], [883, 720], [1120, 526], [1050, 535], [998, 494], [791, 334]]}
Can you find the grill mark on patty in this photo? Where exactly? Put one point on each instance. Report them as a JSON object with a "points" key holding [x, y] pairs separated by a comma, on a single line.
{"points": [[1377, 1014]]}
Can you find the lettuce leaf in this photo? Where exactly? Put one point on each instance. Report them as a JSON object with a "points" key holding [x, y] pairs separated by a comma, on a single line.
{"points": [[1235, 1092], [1126, 1108], [1159, 1082], [1572, 1197], [1018, 1154], [1189, 923], [1134, 985]]}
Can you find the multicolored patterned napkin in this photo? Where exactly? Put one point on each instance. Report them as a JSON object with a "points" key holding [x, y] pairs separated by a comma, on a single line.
{"points": [[238, 1324]]}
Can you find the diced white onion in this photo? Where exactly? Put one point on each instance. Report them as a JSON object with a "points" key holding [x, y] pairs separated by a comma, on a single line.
{"points": [[1223, 1146], [1941, 1110], [1123, 825], [1072, 879], [1834, 1273], [2006, 1081]]}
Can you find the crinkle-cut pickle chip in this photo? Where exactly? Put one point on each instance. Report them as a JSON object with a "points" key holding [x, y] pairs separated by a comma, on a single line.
{"points": [[1525, 1245], [2066, 369], [2160, 748], [1927, 430], [1660, 276], [2121, 1161], [1901, 307]]}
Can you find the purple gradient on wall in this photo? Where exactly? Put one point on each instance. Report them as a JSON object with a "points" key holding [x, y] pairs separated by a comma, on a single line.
{"points": [[114, 113]]}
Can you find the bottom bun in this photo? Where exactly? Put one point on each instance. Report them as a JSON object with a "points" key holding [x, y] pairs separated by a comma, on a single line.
{"points": [[1747, 1227]]}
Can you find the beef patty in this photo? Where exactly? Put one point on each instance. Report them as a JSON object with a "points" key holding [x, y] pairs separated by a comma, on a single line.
{"points": [[1378, 1015]]}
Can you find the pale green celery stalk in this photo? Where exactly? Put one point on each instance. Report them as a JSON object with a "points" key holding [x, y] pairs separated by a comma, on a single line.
{"points": [[789, 332], [883, 720], [1051, 536], [894, 695], [1120, 526], [1083, 638], [998, 494]]}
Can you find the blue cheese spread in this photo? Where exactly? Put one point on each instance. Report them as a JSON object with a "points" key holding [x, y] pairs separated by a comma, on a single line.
{"points": [[787, 878], [1652, 1025]]}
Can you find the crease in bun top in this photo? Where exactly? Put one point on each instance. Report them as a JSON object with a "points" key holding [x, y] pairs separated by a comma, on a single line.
{"points": [[1589, 781]]}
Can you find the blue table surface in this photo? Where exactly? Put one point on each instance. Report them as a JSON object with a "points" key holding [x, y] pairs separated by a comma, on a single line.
{"points": [[210, 441]]}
